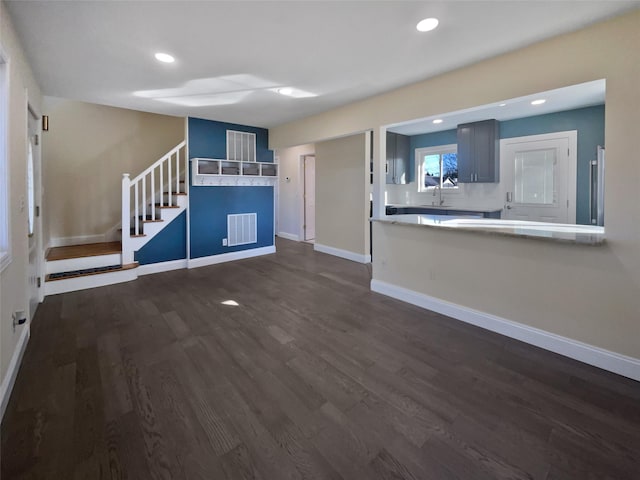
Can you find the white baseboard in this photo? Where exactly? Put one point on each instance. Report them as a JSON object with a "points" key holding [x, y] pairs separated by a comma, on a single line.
{"points": [[89, 281], [598, 357], [12, 372], [229, 257], [79, 240], [161, 267], [289, 236], [354, 257]]}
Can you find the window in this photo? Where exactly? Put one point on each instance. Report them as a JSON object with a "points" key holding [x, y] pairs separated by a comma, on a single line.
{"points": [[241, 146], [5, 242], [437, 167]]}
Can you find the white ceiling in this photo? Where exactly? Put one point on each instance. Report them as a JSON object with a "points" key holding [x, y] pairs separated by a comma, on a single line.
{"points": [[232, 55], [566, 98]]}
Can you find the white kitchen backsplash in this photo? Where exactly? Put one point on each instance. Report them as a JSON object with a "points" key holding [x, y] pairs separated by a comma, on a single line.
{"points": [[469, 195]]}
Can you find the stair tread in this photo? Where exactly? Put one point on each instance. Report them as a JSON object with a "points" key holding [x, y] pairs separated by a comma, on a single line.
{"points": [[52, 277], [85, 250]]}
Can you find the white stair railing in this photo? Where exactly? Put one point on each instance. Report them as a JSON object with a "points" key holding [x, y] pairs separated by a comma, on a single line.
{"points": [[150, 183]]}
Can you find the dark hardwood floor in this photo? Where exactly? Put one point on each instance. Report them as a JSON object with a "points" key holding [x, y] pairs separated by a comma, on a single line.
{"points": [[310, 376]]}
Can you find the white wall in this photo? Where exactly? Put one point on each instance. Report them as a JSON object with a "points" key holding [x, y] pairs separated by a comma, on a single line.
{"points": [[13, 280], [587, 294], [290, 202]]}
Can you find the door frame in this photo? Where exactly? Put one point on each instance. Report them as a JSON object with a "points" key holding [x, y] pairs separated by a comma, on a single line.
{"points": [[33, 115], [301, 195], [572, 164]]}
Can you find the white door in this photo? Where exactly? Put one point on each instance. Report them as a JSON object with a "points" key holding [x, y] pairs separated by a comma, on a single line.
{"points": [[540, 178], [309, 197], [34, 221]]}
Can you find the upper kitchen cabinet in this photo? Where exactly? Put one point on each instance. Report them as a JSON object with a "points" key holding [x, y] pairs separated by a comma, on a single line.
{"points": [[479, 152], [397, 165]]}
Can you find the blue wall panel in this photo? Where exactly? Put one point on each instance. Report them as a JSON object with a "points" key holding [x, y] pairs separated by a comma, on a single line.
{"points": [[210, 207], [589, 122], [169, 244], [208, 139]]}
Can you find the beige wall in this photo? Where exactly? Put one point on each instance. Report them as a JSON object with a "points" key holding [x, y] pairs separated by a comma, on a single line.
{"points": [[85, 152], [342, 209], [587, 294], [13, 280], [291, 189]]}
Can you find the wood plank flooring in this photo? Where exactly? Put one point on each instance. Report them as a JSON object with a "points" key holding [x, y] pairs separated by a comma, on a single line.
{"points": [[310, 376], [86, 250]]}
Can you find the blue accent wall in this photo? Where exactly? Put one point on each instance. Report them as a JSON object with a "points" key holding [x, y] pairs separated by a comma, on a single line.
{"points": [[208, 139], [588, 121], [210, 205], [169, 244]]}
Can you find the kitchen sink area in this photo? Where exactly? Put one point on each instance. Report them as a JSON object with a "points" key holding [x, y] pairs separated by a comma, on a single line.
{"points": [[443, 210]]}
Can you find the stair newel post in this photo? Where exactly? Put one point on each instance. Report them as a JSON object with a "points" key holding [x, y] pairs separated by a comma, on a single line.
{"points": [[177, 170], [153, 193], [161, 184], [144, 198], [127, 253], [169, 178]]}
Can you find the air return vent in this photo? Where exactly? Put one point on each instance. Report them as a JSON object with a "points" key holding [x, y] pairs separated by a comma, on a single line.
{"points": [[242, 229], [241, 146]]}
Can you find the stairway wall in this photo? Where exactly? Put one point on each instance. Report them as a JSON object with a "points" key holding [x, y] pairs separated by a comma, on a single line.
{"points": [[85, 152], [168, 245]]}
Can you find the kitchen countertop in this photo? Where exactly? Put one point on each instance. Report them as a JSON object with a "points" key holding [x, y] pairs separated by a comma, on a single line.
{"points": [[576, 234]]}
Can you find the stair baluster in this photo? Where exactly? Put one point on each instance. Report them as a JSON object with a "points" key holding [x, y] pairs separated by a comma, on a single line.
{"points": [[140, 198]]}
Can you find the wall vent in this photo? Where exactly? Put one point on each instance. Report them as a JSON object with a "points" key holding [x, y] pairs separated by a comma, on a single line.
{"points": [[242, 229], [241, 146]]}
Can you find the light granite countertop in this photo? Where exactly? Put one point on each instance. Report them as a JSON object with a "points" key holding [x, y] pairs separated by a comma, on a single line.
{"points": [[555, 232]]}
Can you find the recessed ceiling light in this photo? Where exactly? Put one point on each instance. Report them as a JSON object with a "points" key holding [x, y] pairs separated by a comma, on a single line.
{"points": [[502, 105], [285, 91], [438, 120], [427, 24], [164, 57], [538, 102]]}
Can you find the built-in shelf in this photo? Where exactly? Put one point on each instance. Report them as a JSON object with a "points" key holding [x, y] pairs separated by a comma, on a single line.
{"points": [[212, 171]]}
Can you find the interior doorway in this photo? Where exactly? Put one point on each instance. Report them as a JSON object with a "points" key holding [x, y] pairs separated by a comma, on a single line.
{"points": [[34, 220], [309, 197]]}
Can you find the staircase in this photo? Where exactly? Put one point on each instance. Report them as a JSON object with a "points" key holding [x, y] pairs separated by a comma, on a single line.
{"points": [[150, 202]]}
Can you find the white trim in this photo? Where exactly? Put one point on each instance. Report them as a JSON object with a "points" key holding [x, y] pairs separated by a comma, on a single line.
{"points": [[599, 357], [161, 267], [289, 236], [89, 281], [233, 180], [229, 257], [81, 263], [78, 240], [338, 252], [12, 372], [5, 167], [440, 150]]}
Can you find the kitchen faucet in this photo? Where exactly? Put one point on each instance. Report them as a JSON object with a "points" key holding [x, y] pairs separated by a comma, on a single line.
{"points": [[440, 200]]}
